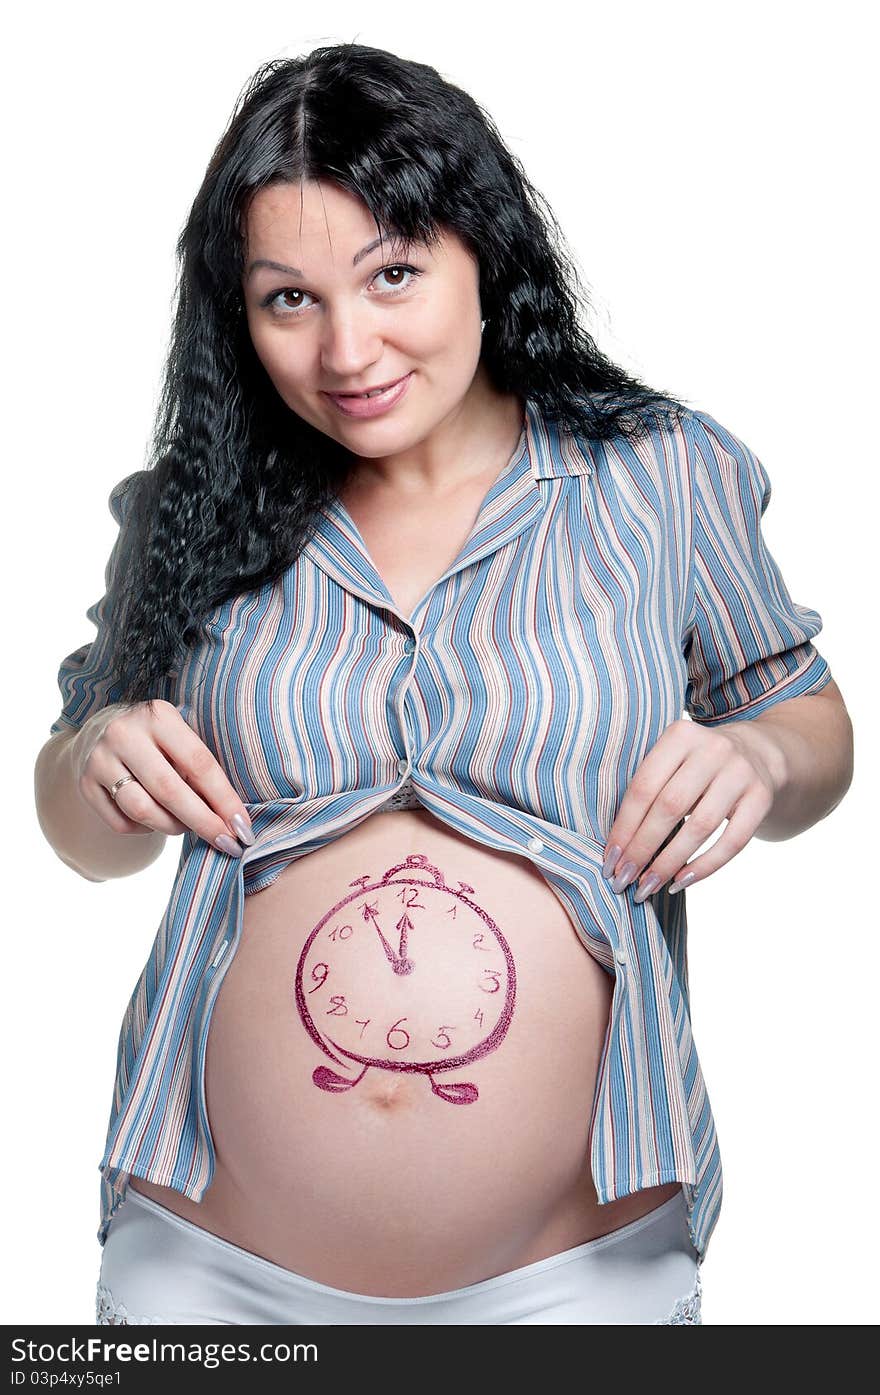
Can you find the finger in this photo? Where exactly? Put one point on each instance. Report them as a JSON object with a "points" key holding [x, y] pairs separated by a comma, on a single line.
{"points": [[650, 813], [748, 815], [159, 795], [135, 802], [97, 795], [743, 813], [683, 794], [133, 810], [653, 773], [191, 786]]}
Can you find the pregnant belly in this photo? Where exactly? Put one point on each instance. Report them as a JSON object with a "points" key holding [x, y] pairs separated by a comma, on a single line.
{"points": [[401, 1065]]}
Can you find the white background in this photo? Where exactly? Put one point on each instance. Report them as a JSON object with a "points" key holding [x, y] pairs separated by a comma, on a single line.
{"points": [[710, 167]]}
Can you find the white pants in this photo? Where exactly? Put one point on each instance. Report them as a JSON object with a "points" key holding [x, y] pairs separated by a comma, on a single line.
{"points": [[157, 1267]]}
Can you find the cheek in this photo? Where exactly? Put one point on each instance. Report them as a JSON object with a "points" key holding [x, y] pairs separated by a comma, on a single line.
{"points": [[275, 355], [444, 336]]}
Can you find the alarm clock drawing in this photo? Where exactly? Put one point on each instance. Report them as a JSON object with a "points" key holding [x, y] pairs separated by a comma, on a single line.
{"points": [[407, 973]]}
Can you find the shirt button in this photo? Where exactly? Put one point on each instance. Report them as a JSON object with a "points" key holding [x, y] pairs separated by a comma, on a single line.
{"points": [[535, 844], [402, 764], [409, 646], [620, 956]]}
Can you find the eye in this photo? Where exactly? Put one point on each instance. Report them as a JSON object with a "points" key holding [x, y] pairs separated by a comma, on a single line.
{"points": [[290, 313]]}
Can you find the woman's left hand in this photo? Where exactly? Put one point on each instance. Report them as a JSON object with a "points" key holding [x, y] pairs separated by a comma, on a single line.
{"points": [[709, 774]]}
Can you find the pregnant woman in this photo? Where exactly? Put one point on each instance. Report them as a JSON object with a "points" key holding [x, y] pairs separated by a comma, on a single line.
{"points": [[416, 585]]}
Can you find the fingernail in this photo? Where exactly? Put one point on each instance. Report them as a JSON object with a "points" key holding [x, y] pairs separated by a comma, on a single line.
{"points": [[610, 862], [228, 845], [624, 876], [646, 887], [243, 828], [683, 881]]}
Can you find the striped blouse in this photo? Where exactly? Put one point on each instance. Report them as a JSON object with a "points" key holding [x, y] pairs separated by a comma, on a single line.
{"points": [[605, 589]]}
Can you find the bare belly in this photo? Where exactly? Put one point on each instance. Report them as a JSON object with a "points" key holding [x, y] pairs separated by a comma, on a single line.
{"points": [[401, 1065]]}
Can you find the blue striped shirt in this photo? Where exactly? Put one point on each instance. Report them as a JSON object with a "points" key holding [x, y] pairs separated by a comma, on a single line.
{"points": [[605, 589]]}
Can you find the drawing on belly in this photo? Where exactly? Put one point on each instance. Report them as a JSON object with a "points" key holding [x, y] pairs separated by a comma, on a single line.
{"points": [[406, 974]]}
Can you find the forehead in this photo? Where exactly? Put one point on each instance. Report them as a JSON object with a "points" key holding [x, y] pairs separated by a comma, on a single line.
{"points": [[315, 227], [308, 211]]}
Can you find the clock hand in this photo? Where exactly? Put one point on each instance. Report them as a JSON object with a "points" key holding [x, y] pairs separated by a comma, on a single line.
{"points": [[403, 925], [370, 914], [403, 965]]}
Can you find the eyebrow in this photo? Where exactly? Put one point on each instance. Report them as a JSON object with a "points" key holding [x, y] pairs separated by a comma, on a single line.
{"points": [[295, 271]]}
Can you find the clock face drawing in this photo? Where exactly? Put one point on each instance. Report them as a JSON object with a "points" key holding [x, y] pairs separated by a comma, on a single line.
{"points": [[406, 973]]}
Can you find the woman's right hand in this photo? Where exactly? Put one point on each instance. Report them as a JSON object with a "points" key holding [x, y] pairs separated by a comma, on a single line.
{"points": [[188, 791]]}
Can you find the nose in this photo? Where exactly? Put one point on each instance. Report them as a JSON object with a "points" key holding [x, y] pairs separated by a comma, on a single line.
{"points": [[350, 343]]}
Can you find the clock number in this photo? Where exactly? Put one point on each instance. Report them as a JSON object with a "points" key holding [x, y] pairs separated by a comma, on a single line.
{"points": [[339, 1008], [316, 968], [410, 897], [399, 1032], [444, 1032], [478, 942], [495, 976], [478, 1017], [363, 1025], [341, 932]]}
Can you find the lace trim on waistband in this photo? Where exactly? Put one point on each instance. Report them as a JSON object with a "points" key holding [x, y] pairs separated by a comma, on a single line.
{"points": [[404, 798], [109, 1313], [687, 1311]]}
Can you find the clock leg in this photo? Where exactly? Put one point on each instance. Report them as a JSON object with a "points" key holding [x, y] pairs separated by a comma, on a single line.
{"points": [[455, 1094], [327, 1079]]}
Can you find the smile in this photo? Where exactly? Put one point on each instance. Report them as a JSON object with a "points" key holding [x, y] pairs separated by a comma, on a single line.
{"points": [[373, 402]]}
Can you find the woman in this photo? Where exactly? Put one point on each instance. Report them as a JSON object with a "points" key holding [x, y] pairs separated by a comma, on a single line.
{"points": [[413, 547]]}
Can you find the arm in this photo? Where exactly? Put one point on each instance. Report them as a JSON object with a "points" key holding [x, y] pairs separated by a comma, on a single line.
{"points": [[80, 838], [753, 669], [180, 785], [807, 744], [755, 676], [88, 698]]}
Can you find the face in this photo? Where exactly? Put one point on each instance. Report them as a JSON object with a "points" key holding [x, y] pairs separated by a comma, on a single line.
{"points": [[345, 316]]}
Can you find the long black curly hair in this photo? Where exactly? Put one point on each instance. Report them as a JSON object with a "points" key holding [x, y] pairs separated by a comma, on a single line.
{"points": [[234, 479]]}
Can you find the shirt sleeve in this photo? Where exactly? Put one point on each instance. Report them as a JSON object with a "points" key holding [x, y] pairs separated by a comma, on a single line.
{"points": [[84, 677], [749, 644]]}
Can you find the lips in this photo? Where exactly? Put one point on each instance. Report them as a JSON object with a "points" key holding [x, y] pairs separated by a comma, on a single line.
{"points": [[359, 407], [378, 387]]}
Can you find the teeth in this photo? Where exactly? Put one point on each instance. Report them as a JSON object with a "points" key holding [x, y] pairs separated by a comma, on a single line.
{"points": [[375, 393]]}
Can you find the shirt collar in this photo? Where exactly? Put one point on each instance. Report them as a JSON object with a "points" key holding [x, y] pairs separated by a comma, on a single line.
{"points": [[513, 503], [553, 449]]}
